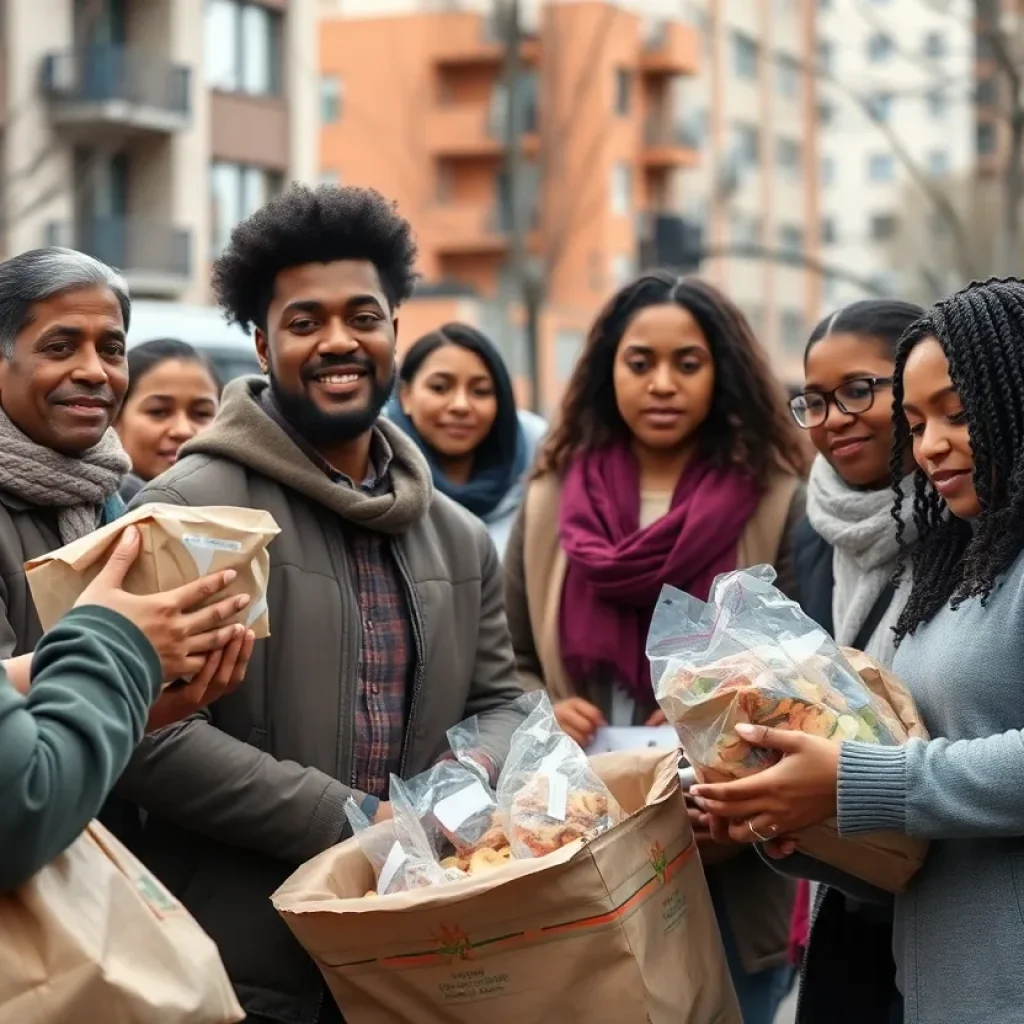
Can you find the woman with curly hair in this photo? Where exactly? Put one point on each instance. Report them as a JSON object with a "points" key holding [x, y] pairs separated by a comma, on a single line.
{"points": [[673, 459], [958, 393]]}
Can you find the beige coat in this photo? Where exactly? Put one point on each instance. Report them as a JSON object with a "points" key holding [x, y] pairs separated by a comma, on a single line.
{"points": [[759, 902]]}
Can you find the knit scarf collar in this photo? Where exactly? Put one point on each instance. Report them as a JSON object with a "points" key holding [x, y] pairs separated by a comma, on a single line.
{"points": [[859, 523], [78, 488]]}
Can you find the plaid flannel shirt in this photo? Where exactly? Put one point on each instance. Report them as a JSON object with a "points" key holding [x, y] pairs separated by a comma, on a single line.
{"points": [[388, 652]]}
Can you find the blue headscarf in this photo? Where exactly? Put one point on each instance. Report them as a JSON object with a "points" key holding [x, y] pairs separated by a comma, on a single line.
{"points": [[502, 457]]}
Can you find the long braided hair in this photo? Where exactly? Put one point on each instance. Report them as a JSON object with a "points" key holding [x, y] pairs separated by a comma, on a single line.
{"points": [[981, 331]]}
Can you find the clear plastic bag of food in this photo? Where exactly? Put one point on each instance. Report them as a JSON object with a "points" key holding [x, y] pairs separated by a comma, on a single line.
{"points": [[457, 810], [548, 794], [752, 655], [398, 851]]}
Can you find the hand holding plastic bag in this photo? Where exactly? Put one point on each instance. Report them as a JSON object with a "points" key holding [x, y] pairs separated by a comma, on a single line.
{"points": [[751, 655], [548, 793]]}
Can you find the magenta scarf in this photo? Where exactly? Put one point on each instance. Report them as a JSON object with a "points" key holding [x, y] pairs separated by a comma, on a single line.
{"points": [[616, 570]]}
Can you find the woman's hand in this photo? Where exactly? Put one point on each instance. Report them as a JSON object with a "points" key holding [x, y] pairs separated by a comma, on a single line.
{"points": [[182, 632], [223, 672], [794, 794], [657, 719], [579, 719]]}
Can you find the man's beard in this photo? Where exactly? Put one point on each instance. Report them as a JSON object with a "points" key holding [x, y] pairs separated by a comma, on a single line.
{"points": [[323, 429]]}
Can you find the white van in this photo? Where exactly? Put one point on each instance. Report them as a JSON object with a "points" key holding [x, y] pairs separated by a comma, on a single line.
{"points": [[229, 348]]}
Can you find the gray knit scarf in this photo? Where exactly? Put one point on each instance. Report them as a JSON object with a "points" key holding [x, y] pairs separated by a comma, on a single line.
{"points": [[75, 487], [860, 528]]}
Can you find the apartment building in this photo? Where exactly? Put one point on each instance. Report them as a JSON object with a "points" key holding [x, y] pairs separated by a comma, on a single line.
{"points": [[755, 190], [141, 131], [415, 103], [897, 127]]}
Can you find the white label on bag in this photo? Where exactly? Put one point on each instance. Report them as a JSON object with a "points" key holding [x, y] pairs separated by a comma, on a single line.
{"points": [[453, 810], [395, 859], [202, 549], [558, 796]]}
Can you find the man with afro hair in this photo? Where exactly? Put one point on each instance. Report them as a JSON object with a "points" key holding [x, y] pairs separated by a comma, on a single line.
{"points": [[385, 597]]}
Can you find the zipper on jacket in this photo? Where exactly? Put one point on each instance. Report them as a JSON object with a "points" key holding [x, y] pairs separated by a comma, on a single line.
{"points": [[416, 615], [819, 898]]}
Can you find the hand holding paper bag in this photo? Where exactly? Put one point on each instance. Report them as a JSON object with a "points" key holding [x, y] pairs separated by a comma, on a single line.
{"points": [[178, 546]]}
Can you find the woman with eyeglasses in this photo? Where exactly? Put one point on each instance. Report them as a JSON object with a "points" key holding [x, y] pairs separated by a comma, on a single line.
{"points": [[673, 459], [846, 552]]}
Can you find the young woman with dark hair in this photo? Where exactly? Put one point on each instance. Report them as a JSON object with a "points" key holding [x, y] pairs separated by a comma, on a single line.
{"points": [[673, 459], [958, 396], [455, 400], [846, 554], [173, 394]]}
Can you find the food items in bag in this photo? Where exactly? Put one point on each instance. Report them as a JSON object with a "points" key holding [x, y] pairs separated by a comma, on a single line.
{"points": [[548, 793], [750, 655]]}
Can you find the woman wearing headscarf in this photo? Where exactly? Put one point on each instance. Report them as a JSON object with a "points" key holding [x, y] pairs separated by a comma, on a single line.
{"points": [[455, 400]]}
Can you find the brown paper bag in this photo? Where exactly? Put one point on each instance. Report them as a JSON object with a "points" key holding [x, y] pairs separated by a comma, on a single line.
{"points": [[179, 545], [620, 930], [887, 860], [95, 937]]}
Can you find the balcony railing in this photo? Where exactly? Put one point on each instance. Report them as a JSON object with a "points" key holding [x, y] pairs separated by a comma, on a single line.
{"points": [[154, 257], [116, 83], [675, 135]]}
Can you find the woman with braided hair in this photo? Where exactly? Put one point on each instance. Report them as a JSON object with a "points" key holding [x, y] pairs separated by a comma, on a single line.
{"points": [[958, 394]]}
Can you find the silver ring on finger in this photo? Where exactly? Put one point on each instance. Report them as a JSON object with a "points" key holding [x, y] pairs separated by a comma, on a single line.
{"points": [[772, 831]]}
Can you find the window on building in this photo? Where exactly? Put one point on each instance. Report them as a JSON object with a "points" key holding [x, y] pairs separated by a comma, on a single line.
{"points": [[882, 227], [329, 178], [938, 163], [987, 92], [828, 231], [622, 189], [623, 269], [828, 170], [623, 91], [243, 47], [986, 135], [826, 114], [826, 5], [568, 346], [880, 105], [887, 282], [935, 45], [881, 167], [788, 77], [880, 48], [330, 99], [745, 55], [791, 238], [826, 56], [938, 104], [747, 144], [746, 229], [237, 190], [792, 332], [788, 157]]}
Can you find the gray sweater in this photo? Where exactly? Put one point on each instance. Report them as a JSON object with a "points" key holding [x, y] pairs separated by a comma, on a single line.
{"points": [[959, 936]]}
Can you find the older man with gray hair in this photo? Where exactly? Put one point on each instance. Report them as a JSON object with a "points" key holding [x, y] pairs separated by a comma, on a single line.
{"points": [[63, 375]]}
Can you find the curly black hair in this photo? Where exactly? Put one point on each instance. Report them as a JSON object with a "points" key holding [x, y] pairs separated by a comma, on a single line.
{"points": [[748, 424], [981, 331], [312, 225]]}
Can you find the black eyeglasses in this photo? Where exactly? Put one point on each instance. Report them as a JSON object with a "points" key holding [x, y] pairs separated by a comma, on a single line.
{"points": [[810, 409]]}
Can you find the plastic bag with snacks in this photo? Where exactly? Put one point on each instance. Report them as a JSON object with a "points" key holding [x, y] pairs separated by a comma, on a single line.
{"points": [[752, 655], [548, 793], [398, 851], [456, 808]]}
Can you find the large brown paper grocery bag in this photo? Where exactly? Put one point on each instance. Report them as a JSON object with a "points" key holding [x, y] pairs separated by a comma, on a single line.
{"points": [[94, 938], [618, 931], [179, 545], [888, 860]]}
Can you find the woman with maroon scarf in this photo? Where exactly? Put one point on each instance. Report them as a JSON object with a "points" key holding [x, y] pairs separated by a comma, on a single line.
{"points": [[673, 460]]}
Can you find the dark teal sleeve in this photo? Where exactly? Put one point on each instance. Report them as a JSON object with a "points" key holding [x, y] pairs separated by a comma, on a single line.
{"points": [[62, 747]]}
